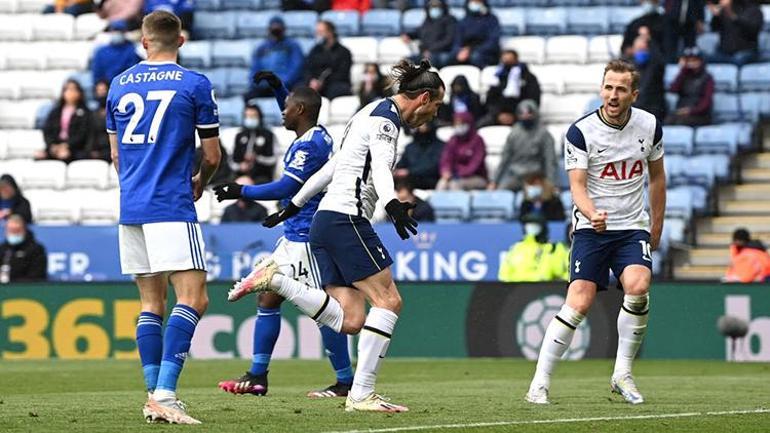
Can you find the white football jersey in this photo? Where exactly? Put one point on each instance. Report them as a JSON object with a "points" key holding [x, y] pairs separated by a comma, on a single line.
{"points": [[366, 155], [615, 158]]}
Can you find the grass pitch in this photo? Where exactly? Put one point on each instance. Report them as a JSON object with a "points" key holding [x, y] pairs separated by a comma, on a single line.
{"points": [[460, 395]]}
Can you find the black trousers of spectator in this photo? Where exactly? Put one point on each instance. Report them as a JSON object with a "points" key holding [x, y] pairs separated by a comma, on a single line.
{"points": [[673, 32]]}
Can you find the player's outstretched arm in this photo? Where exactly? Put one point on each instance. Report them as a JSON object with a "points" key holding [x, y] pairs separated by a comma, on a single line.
{"points": [[657, 190], [279, 90], [280, 189]]}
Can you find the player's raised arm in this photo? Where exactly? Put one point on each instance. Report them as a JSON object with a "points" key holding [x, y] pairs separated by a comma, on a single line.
{"points": [[279, 89], [576, 164], [657, 188]]}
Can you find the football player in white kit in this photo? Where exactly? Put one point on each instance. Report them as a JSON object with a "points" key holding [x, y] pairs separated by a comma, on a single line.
{"points": [[353, 263], [606, 155]]}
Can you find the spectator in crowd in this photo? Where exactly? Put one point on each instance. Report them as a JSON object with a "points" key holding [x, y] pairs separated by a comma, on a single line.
{"points": [[420, 161], [541, 198], [651, 66], [535, 258], [23, 258], [117, 56], [124, 13], [72, 7], [98, 143], [738, 23], [373, 84], [477, 39], [327, 70], [12, 201], [253, 153], [462, 163], [184, 9], [244, 210], [351, 5], [652, 22], [749, 260], [528, 149], [683, 21], [306, 5], [279, 54], [436, 34], [68, 126], [515, 83], [695, 88], [422, 212], [462, 99]]}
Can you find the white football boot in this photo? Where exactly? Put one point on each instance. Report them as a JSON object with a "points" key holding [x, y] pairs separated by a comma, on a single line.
{"points": [[537, 395], [625, 386]]}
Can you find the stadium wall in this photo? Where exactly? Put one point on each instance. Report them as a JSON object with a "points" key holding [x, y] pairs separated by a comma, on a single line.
{"points": [[97, 321]]}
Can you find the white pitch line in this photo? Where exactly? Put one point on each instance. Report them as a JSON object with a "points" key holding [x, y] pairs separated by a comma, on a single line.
{"points": [[557, 421]]}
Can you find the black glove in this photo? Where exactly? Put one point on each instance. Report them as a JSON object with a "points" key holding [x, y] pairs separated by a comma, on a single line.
{"points": [[272, 79], [228, 191], [399, 213], [282, 215]]}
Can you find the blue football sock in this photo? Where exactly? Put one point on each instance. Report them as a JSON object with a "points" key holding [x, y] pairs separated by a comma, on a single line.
{"points": [[149, 341], [336, 345], [266, 330], [176, 344]]}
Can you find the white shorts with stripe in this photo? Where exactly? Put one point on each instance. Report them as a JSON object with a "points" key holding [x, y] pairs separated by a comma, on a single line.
{"points": [[295, 260], [161, 247]]}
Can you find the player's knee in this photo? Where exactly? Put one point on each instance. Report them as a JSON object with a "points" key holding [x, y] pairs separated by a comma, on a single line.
{"points": [[390, 300], [270, 300], [353, 323], [157, 307], [198, 302]]}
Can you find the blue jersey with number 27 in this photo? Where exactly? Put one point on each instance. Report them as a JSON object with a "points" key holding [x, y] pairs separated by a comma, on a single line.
{"points": [[154, 108]]}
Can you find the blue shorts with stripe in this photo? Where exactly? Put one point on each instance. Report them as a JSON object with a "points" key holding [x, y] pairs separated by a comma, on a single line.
{"points": [[594, 254], [346, 248]]}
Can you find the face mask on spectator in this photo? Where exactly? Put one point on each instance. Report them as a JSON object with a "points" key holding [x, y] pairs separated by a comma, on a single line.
{"points": [[532, 229], [14, 239], [461, 129], [117, 38], [527, 123], [276, 32], [476, 8], [251, 122], [533, 191], [641, 57], [435, 13]]}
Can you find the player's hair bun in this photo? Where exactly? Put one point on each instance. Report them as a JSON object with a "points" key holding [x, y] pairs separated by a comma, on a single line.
{"points": [[409, 77]]}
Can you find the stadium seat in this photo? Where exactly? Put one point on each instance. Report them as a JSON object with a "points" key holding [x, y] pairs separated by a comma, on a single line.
{"points": [[671, 100], [550, 77], [41, 174], [3, 146], [494, 138], [31, 6], [412, 19], [700, 171], [678, 140], [708, 42], [346, 22], [490, 206], [24, 143], [451, 206], [766, 14], [471, 73], [603, 48], [271, 113], [726, 108], [572, 3], [583, 78], [676, 229], [8, 6], [88, 173], [253, 24], [53, 207], [719, 164], [755, 105], [231, 111], [300, 23], [20, 114], [238, 81], [215, 25], [236, 4], [444, 133], [227, 138], [87, 26], [531, 49], [546, 21], [195, 54], [675, 169], [342, 108], [68, 55], [679, 203], [725, 76], [672, 70], [557, 131], [755, 77], [203, 206], [24, 55], [306, 44], [381, 22], [457, 12], [363, 49], [492, 162], [764, 46], [566, 49], [208, 5], [98, 207], [218, 79], [235, 54], [588, 20], [285, 138], [392, 50], [54, 27], [563, 108], [42, 84], [489, 78], [716, 139], [621, 16], [512, 21], [744, 131], [16, 27], [566, 200], [43, 107], [323, 114]]}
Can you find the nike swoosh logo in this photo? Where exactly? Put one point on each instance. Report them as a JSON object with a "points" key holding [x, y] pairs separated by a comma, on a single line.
{"points": [[381, 357], [602, 150], [558, 342], [638, 333]]}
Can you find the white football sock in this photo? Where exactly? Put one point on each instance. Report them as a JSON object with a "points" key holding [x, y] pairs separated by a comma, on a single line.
{"points": [[632, 325], [556, 341], [164, 395], [315, 303], [372, 347]]}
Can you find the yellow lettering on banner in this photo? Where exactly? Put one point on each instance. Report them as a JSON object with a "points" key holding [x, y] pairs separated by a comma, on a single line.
{"points": [[67, 332], [30, 333], [126, 312]]}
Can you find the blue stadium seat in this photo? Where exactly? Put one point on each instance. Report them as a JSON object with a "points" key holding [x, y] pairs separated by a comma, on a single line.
{"points": [[764, 44], [458, 13], [588, 20], [621, 16], [679, 203], [766, 15], [455, 3], [755, 105], [218, 78], [300, 23], [566, 200], [716, 139], [195, 54], [708, 42], [271, 113], [451, 205], [546, 21], [232, 53], [567, 3], [675, 169], [563, 178], [700, 171], [346, 22], [214, 25], [726, 108], [381, 22], [678, 140], [42, 113], [208, 5], [699, 197], [238, 81], [755, 77], [231, 111], [745, 130], [671, 99], [306, 44], [720, 164], [237, 4], [512, 21], [492, 205], [253, 24], [412, 19], [271, 5], [672, 70], [725, 76]]}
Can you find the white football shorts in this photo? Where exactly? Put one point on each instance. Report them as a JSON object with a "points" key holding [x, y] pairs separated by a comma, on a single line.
{"points": [[161, 247], [295, 260]]}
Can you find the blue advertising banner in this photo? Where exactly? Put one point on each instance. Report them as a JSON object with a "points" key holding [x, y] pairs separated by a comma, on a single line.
{"points": [[440, 252]]}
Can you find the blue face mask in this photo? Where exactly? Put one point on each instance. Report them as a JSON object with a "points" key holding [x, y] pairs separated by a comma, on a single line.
{"points": [[435, 13], [475, 7], [641, 57], [14, 239], [532, 229]]}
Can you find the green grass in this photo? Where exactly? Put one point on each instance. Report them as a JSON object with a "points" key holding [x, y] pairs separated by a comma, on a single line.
{"points": [[106, 396]]}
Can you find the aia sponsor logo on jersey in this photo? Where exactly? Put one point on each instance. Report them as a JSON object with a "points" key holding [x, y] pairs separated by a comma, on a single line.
{"points": [[622, 170]]}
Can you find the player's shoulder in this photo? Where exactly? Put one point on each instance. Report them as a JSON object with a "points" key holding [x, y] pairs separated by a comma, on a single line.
{"points": [[316, 139], [647, 122], [577, 130], [384, 109]]}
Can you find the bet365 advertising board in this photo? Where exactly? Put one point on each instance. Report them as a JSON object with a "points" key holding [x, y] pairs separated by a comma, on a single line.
{"points": [[97, 321]]}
